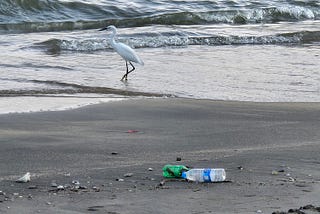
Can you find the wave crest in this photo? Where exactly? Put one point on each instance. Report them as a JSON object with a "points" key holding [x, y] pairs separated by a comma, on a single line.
{"points": [[156, 40]]}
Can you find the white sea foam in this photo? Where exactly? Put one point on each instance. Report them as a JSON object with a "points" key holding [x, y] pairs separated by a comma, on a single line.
{"points": [[39, 104]]}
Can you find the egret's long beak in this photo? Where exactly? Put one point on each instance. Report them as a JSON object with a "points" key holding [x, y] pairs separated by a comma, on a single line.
{"points": [[105, 28]]}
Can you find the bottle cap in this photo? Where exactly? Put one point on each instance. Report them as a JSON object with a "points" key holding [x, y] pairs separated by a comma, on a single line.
{"points": [[184, 175]]}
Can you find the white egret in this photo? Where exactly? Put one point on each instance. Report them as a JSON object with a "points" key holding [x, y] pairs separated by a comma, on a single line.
{"points": [[127, 53]]}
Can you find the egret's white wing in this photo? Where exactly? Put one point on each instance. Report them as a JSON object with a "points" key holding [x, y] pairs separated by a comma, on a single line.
{"points": [[127, 53]]}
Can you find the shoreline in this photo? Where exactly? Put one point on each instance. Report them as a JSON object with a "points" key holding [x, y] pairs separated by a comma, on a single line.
{"points": [[33, 104], [269, 150]]}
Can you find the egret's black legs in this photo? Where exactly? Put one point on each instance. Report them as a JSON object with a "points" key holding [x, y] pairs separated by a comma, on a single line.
{"points": [[133, 68], [125, 77], [126, 74]]}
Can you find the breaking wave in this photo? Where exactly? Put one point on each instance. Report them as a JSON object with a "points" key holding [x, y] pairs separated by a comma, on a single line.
{"points": [[58, 15], [156, 40]]}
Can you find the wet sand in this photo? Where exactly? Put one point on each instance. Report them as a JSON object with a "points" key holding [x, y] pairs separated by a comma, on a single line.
{"points": [[270, 152]]}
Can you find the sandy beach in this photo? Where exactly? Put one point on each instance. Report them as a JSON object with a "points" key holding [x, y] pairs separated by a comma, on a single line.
{"points": [[225, 84], [270, 152]]}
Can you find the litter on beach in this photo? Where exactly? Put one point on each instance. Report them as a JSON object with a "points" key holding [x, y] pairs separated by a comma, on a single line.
{"points": [[25, 178], [196, 175], [173, 171]]}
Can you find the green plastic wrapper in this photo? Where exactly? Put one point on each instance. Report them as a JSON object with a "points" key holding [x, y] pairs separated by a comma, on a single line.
{"points": [[173, 171]]}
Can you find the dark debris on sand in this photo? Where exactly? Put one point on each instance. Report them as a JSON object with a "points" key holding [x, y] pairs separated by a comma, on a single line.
{"points": [[302, 210]]}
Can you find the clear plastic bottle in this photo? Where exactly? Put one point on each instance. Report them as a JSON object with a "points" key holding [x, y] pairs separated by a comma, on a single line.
{"points": [[205, 175]]}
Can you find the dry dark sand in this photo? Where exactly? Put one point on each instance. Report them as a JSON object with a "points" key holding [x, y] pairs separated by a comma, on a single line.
{"points": [[249, 140]]}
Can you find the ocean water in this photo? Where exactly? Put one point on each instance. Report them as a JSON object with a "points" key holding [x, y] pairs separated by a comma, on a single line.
{"points": [[261, 51]]}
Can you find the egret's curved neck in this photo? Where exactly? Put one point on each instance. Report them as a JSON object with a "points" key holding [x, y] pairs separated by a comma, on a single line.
{"points": [[111, 38]]}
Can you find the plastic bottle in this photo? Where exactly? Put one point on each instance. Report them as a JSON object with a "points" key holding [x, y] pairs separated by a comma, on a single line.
{"points": [[173, 171], [205, 175]]}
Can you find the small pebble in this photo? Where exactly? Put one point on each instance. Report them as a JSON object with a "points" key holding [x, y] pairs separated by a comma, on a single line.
{"points": [[150, 169], [75, 187], [96, 189], [54, 184], [33, 187], [119, 179], [94, 208], [67, 174], [114, 153], [60, 187], [162, 183], [128, 175], [75, 182], [291, 179]]}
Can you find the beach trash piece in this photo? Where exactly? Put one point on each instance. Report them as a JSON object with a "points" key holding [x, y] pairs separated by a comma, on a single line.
{"points": [[75, 182], [173, 171], [131, 131], [24, 179], [205, 175]]}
